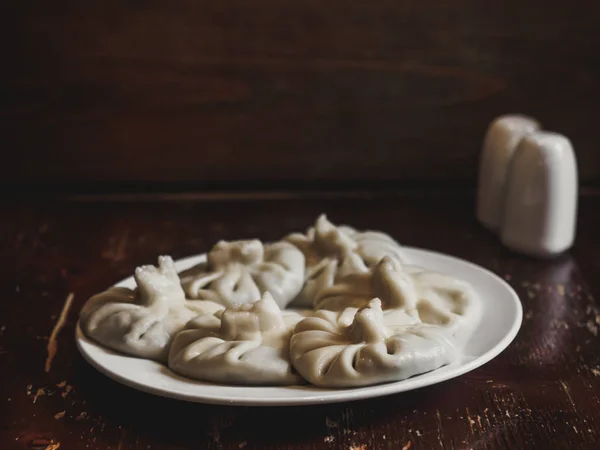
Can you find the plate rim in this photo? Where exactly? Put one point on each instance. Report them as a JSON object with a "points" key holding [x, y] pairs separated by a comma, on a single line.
{"points": [[84, 344]]}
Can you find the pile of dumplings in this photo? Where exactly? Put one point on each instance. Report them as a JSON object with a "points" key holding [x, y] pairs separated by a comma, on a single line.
{"points": [[333, 307]]}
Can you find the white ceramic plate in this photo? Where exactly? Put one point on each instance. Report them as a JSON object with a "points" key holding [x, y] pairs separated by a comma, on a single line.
{"points": [[500, 322]]}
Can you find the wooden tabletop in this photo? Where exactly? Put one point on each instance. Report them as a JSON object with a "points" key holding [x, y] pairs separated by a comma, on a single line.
{"points": [[542, 392]]}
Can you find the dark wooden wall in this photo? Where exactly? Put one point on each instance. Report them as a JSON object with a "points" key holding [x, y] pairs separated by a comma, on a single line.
{"points": [[294, 91]]}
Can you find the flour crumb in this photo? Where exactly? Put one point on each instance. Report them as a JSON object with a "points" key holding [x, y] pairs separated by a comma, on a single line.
{"points": [[40, 392]]}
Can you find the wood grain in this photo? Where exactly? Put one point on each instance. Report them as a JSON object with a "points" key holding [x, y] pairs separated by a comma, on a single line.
{"points": [[542, 392], [240, 93]]}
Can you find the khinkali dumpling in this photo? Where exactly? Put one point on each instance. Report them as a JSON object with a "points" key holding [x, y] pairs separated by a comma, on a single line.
{"points": [[244, 345], [386, 280], [333, 252], [428, 297], [240, 272], [329, 353], [143, 321]]}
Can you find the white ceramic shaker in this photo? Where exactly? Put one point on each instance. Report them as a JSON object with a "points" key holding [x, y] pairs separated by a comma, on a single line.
{"points": [[540, 206], [502, 137]]}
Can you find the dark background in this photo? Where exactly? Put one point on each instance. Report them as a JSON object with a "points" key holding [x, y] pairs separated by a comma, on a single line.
{"points": [[122, 95]]}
